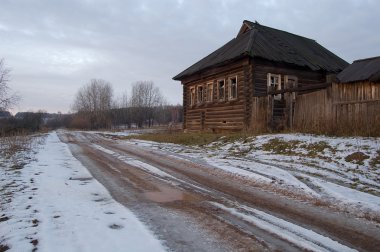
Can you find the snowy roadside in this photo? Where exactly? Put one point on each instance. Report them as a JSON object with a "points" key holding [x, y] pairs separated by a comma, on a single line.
{"points": [[54, 204], [342, 171]]}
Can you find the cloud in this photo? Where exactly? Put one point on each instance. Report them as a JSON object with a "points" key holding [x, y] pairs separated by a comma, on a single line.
{"points": [[62, 44]]}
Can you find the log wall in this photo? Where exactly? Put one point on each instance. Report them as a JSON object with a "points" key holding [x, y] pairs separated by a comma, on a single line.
{"points": [[262, 104], [219, 115], [351, 109], [262, 68]]}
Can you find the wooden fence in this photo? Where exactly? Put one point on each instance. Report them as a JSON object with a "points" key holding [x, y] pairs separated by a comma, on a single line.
{"points": [[343, 109]]}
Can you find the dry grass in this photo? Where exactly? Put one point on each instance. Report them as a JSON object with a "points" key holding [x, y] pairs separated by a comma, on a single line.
{"points": [[17, 147], [10, 145], [375, 162], [357, 158], [282, 147]]}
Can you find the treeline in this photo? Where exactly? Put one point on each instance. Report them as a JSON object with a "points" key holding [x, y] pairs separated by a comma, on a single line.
{"points": [[95, 107], [28, 122], [115, 118]]}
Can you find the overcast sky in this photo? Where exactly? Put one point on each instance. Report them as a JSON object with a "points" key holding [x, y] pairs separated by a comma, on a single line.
{"points": [[56, 46]]}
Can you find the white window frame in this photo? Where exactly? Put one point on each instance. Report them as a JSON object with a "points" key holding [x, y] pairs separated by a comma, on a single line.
{"points": [[230, 97], [209, 91], [200, 95], [274, 86], [224, 89], [192, 96]]}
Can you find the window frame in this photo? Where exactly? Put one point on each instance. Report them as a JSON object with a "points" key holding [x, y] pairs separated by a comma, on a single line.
{"points": [[224, 89], [277, 86], [200, 98], [230, 97], [192, 96], [209, 92]]}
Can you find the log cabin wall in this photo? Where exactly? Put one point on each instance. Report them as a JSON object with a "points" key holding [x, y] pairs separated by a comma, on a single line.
{"points": [[263, 105], [219, 115], [262, 68]]}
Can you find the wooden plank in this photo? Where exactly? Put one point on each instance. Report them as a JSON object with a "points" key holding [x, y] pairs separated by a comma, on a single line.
{"points": [[356, 102], [300, 88]]}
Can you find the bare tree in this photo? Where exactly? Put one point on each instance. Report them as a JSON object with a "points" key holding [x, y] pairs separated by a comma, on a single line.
{"points": [[145, 97], [121, 111], [7, 100], [94, 102]]}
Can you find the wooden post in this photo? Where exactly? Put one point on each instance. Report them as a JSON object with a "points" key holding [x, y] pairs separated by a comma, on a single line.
{"points": [[291, 111]]}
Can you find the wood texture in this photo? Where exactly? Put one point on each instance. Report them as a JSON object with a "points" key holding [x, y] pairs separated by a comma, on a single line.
{"points": [[346, 109], [218, 115]]}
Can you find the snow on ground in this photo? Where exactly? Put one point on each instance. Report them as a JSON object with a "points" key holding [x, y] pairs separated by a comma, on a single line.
{"points": [[302, 237], [345, 171], [54, 204], [123, 133], [146, 167]]}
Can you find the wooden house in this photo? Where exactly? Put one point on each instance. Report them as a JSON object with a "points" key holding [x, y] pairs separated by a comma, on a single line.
{"points": [[251, 82]]}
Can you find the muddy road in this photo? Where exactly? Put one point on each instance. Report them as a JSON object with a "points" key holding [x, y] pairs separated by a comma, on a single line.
{"points": [[193, 206]]}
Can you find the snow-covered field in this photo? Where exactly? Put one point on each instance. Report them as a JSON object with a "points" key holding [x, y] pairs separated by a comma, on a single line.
{"points": [[342, 171], [54, 204]]}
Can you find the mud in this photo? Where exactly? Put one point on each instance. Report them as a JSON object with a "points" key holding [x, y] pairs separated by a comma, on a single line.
{"points": [[177, 210]]}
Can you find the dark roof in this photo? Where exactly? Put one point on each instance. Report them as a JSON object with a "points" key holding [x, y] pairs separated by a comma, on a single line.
{"points": [[362, 70], [5, 114], [274, 45]]}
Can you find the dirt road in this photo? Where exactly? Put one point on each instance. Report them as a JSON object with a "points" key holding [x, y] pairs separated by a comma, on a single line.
{"points": [[193, 206]]}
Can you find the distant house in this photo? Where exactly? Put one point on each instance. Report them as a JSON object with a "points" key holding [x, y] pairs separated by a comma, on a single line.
{"points": [[5, 115], [364, 71], [252, 82]]}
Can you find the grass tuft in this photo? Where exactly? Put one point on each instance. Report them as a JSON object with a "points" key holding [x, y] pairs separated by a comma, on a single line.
{"points": [[375, 162], [282, 147], [357, 158]]}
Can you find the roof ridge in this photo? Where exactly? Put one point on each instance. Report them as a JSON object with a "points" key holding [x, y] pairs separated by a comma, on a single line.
{"points": [[372, 58], [252, 38], [258, 24]]}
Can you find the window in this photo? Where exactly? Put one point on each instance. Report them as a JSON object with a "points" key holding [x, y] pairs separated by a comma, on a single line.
{"points": [[200, 94], [232, 88], [221, 90], [209, 91], [291, 82], [192, 96], [274, 84]]}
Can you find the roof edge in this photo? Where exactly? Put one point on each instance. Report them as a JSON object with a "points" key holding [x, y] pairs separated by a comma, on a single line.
{"points": [[365, 59], [179, 77]]}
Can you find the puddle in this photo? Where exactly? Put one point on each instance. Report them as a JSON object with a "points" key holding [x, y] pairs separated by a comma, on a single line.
{"points": [[167, 194]]}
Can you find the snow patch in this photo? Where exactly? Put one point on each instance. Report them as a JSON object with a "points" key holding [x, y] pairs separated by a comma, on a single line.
{"points": [[62, 208]]}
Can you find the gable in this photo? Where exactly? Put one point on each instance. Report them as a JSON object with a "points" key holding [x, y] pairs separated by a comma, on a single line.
{"points": [[245, 27]]}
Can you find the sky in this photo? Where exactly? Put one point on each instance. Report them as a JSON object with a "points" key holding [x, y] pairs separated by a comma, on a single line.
{"points": [[54, 47]]}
